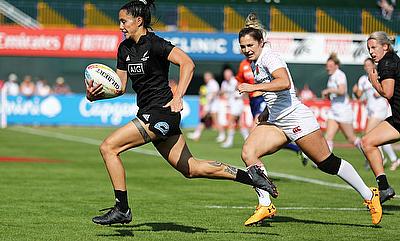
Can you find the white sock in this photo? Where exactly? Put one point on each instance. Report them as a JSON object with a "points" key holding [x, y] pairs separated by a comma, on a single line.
{"points": [[350, 175], [244, 132], [390, 152], [263, 197]]}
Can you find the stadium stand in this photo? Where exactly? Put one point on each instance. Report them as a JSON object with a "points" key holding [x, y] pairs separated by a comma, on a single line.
{"points": [[224, 16]]}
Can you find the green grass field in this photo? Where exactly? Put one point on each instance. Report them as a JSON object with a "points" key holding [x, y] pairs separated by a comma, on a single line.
{"points": [[56, 200]]}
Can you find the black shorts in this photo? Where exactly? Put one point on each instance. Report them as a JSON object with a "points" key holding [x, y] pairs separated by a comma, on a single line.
{"points": [[394, 123], [163, 122]]}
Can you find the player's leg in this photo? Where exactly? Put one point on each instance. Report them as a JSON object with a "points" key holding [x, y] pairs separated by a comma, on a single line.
{"points": [[175, 150], [348, 131], [317, 149], [253, 149], [382, 134], [131, 135], [331, 129], [230, 131]]}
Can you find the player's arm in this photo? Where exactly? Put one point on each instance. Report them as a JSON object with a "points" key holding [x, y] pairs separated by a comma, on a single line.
{"points": [[385, 88], [186, 70], [281, 81]]}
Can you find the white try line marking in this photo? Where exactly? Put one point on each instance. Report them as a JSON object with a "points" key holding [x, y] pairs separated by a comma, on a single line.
{"points": [[288, 208], [141, 150]]}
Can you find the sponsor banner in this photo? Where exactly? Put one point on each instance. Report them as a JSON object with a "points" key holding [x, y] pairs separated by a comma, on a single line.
{"points": [[85, 43], [294, 47], [81, 43], [321, 108], [76, 110]]}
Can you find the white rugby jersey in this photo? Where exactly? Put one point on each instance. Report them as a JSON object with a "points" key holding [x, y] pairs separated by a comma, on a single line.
{"points": [[279, 103], [212, 90], [229, 88], [336, 79], [369, 91]]}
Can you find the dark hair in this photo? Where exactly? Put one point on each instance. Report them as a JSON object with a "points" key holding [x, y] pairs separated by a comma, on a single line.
{"points": [[254, 33], [140, 8]]}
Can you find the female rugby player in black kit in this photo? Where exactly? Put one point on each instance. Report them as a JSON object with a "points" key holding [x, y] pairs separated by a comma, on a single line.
{"points": [[387, 82], [145, 59]]}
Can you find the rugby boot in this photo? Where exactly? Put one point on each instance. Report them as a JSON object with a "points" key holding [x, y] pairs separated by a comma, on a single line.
{"points": [[261, 180], [374, 206], [113, 216], [386, 194], [261, 213]]}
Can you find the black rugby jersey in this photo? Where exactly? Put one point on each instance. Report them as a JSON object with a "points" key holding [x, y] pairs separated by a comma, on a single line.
{"points": [[147, 65], [389, 68]]}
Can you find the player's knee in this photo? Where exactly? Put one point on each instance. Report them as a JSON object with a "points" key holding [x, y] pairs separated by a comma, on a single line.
{"points": [[248, 154], [366, 143], [106, 148], [330, 165]]}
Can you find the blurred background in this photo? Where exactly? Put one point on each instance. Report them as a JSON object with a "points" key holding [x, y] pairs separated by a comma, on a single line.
{"points": [[51, 42]]}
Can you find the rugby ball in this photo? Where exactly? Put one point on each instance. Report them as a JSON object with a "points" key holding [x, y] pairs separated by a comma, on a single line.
{"points": [[102, 74]]}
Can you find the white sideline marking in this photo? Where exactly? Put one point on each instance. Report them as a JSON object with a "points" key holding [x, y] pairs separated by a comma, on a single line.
{"points": [[80, 139], [288, 208], [140, 150]]}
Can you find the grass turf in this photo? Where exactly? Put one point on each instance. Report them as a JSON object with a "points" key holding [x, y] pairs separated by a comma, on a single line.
{"points": [[56, 201]]}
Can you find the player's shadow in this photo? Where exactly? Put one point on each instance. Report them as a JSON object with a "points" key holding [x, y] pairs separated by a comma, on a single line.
{"points": [[285, 219], [390, 208], [127, 230]]}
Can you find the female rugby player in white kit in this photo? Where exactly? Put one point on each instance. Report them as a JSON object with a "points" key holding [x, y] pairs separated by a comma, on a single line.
{"points": [[289, 120]]}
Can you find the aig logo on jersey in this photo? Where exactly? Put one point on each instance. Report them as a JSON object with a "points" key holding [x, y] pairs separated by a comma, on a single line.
{"points": [[135, 69]]}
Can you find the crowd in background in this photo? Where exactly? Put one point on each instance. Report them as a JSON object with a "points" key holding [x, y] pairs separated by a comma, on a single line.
{"points": [[40, 87]]}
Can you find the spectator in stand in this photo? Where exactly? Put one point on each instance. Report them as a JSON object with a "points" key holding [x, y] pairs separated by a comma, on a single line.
{"points": [[340, 115], [27, 87], [210, 109], [387, 8], [235, 107], [42, 88], [12, 85], [306, 93], [61, 87]]}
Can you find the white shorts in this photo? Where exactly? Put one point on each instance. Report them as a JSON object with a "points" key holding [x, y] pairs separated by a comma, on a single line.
{"points": [[341, 113], [300, 122], [213, 106], [236, 107], [379, 110]]}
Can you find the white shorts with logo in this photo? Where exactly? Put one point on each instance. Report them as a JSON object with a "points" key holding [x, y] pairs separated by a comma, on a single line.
{"points": [[342, 113], [300, 122]]}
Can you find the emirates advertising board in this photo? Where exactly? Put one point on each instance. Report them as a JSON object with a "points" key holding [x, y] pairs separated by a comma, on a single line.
{"points": [[310, 48]]}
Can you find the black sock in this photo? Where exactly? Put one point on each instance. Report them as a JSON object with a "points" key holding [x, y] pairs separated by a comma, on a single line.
{"points": [[121, 200], [243, 177], [382, 182]]}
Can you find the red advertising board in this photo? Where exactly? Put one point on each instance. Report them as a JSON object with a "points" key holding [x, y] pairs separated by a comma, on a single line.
{"points": [[80, 43], [321, 108]]}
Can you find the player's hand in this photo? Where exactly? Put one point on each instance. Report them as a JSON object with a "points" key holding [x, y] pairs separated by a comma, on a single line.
{"points": [[176, 104], [373, 76], [245, 87], [325, 93], [94, 92]]}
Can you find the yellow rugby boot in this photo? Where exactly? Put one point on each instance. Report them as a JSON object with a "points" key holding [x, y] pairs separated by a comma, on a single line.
{"points": [[261, 213], [374, 206]]}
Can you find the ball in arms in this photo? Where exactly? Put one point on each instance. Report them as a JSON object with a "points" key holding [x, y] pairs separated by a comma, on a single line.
{"points": [[102, 74]]}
